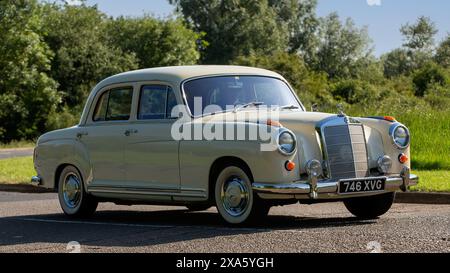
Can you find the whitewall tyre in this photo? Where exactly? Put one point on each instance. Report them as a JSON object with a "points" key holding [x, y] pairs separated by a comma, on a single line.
{"points": [[74, 200], [234, 197], [195, 207]]}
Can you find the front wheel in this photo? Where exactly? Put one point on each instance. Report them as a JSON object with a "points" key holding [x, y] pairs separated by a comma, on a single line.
{"points": [[74, 200], [370, 207], [235, 200]]}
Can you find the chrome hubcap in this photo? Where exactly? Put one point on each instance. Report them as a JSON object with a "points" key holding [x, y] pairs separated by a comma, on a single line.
{"points": [[71, 190], [235, 196]]}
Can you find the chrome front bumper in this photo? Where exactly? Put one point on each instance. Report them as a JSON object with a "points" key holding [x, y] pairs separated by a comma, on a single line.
{"points": [[36, 181], [326, 189]]}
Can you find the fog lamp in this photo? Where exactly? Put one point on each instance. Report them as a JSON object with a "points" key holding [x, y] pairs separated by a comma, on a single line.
{"points": [[384, 164], [314, 168]]}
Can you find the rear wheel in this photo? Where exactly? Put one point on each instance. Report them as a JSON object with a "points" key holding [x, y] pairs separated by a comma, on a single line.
{"points": [[370, 207], [74, 200], [235, 200]]}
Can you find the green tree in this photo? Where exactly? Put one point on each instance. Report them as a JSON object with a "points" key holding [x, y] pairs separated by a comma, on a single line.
{"points": [[355, 91], [234, 27], [430, 75], [155, 42], [420, 35], [341, 46], [302, 23], [311, 86], [27, 93], [442, 56], [83, 56], [417, 48], [397, 62]]}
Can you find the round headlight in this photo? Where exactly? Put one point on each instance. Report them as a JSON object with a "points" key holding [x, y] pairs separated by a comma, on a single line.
{"points": [[286, 143], [400, 136]]}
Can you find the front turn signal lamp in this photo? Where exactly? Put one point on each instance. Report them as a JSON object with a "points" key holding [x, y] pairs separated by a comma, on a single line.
{"points": [[389, 118], [274, 123], [403, 158], [290, 166]]}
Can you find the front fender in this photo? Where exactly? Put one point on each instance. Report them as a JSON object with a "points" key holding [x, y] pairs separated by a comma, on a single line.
{"points": [[379, 143], [197, 158]]}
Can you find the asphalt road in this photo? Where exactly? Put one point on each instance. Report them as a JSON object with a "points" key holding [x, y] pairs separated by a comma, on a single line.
{"points": [[11, 153], [34, 223]]}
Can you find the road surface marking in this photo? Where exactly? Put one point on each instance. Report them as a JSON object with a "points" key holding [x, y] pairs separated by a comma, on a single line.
{"points": [[94, 223], [139, 225]]}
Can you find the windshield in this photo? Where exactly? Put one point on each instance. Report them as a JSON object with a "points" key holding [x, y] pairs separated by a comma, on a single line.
{"points": [[233, 92]]}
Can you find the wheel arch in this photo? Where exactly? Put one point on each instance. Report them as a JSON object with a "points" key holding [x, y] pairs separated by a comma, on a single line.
{"points": [[218, 165], [59, 170]]}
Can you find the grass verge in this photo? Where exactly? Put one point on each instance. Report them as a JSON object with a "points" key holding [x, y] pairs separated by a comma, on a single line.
{"points": [[20, 170], [433, 181], [16, 170], [430, 134], [18, 144]]}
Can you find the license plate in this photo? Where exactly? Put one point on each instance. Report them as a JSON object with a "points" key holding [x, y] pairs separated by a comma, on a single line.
{"points": [[362, 185]]}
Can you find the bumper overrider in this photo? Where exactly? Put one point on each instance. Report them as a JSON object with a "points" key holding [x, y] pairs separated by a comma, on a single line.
{"points": [[327, 189], [36, 181]]}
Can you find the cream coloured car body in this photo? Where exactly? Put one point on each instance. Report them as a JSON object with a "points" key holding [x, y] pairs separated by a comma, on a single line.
{"points": [[149, 165]]}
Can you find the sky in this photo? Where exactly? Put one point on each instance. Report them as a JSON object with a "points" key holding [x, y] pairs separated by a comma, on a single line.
{"points": [[382, 17]]}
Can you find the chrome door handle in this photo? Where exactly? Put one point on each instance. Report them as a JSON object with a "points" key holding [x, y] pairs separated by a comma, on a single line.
{"points": [[81, 134], [130, 132]]}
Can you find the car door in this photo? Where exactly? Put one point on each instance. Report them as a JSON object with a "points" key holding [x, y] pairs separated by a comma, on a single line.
{"points": [[105, 139], [151, 154]]}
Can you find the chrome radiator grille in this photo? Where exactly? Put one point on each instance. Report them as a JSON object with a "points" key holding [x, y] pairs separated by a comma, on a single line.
{"points": [[346, 151]]}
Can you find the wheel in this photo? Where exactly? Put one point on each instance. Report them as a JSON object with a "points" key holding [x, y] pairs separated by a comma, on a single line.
{"points": [[74, 200], [234, 197], [370, 207], [196, 207]]}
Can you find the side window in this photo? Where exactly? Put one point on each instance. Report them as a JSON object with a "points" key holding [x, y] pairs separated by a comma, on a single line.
{"points": [[119, 104], [156, 102], [114, 105], [102, 107]]}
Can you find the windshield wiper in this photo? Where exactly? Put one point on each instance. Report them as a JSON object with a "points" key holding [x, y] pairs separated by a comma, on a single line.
{"points": [[253, 103], [288, 107]]}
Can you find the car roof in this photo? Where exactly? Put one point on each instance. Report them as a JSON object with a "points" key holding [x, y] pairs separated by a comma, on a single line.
{"points": [[174, 75], [178, 74]]}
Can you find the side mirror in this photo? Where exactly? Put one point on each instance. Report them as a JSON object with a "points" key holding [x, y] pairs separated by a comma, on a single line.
{"points": [[315, 107]]}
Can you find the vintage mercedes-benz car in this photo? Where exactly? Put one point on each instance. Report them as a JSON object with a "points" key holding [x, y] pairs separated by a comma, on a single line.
{"points": [[182, 136]]}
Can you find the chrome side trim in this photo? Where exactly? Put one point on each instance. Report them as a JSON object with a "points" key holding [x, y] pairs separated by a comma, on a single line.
{"points": [[149, 191]]}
